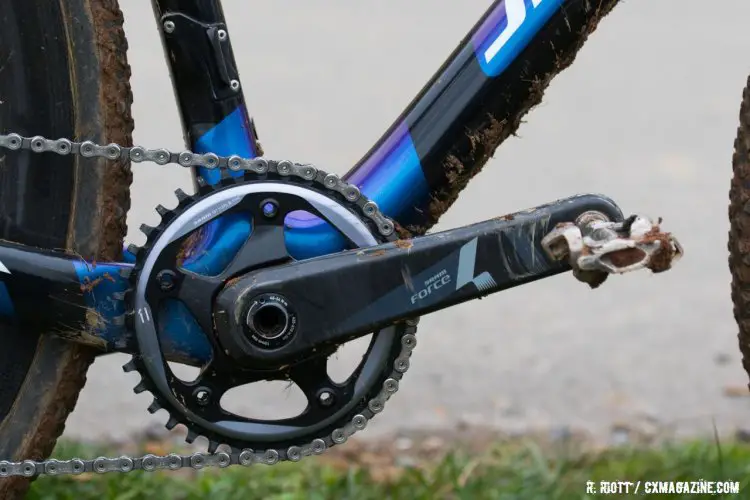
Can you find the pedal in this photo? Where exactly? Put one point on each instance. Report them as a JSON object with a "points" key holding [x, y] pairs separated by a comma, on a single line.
{"points": [[595, 247]]}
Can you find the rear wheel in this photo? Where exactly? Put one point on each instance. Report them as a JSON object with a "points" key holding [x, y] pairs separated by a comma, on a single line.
{"points": [[63, 73], [739, 233]]}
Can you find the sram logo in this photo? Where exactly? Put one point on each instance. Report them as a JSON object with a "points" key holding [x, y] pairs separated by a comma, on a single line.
{"points": [[432, 284], [515, 14]]}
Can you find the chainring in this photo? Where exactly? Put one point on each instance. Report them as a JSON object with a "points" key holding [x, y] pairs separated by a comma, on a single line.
{"points": [[385, 361]]}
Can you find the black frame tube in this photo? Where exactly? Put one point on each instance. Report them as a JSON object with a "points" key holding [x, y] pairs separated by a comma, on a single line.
{"points": [[201, 66]]}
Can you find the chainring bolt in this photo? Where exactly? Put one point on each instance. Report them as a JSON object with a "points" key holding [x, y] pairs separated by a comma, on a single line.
{"points": [[270, 209], [202, 396], [166, 280], [326, 398]]}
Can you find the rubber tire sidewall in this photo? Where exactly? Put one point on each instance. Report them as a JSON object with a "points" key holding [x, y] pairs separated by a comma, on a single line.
{"points": [[101, 98]]}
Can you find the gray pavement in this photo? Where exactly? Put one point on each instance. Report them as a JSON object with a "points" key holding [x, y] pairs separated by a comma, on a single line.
{"points": [[647, 115]]}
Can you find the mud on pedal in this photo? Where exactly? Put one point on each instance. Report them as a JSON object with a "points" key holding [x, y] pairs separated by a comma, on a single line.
{"points": [[596, 247]]}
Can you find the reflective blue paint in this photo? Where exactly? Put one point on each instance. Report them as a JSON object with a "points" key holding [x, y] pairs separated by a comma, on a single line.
{"points": [[6, 304], [230, 137], [181, 336], [218, 244], [496, 25], [220, 240], [392, 176], [102, 297], [307, 236], [183, 340]]}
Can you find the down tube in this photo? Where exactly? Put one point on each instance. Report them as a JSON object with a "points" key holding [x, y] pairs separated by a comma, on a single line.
{"points": [[406, 165]]}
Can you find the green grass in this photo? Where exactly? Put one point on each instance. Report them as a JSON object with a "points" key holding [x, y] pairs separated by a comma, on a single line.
{"points": [[519, 470]]}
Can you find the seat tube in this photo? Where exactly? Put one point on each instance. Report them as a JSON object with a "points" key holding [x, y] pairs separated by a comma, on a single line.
{"points": [[205, 80]]}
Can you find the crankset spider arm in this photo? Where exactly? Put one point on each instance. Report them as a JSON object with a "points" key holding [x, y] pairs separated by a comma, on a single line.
{"points": [[323, 395], [197, 291], [171, 279], [325, 398]]}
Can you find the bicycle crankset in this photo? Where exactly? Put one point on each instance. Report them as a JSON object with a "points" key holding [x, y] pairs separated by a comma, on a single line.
{"points": [[266, 316], [271, 318], [247, 330]]}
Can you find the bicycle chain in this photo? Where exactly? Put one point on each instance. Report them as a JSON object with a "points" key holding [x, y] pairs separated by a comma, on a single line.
{"points": [[247, 457]]}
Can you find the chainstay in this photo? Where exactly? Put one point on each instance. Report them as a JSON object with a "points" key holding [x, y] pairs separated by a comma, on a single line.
{"points": [[246, 457]]}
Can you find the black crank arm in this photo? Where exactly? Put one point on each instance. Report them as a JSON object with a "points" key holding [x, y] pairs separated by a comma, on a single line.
{"points": [[337, 297]]}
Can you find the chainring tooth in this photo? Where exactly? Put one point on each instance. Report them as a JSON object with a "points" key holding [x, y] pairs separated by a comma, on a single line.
{"points": [[182, 197], [140, 387], [212, 446], [171, 423], [147, 230], [153, 407], [134, 249], [191, 436]]}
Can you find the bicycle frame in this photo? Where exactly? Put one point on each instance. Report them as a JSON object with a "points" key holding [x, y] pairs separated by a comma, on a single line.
{"points": [[405, 172]]}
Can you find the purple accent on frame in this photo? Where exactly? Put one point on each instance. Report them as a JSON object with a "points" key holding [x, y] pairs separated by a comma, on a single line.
{"points": [[528, 17], [370, 162], [232, 136], [390, 175], [493, 25]]}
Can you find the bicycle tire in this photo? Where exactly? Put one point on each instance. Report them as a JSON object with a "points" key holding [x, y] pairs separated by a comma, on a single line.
{"points": [[739, 231], [63, 73]]}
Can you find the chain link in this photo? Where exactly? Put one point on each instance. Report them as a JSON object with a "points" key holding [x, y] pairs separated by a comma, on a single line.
{"points": [[247, 457], [138, 154]]}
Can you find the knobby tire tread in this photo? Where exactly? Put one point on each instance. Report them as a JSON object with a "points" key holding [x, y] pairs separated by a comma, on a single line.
{"points": [[739, 232]]}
